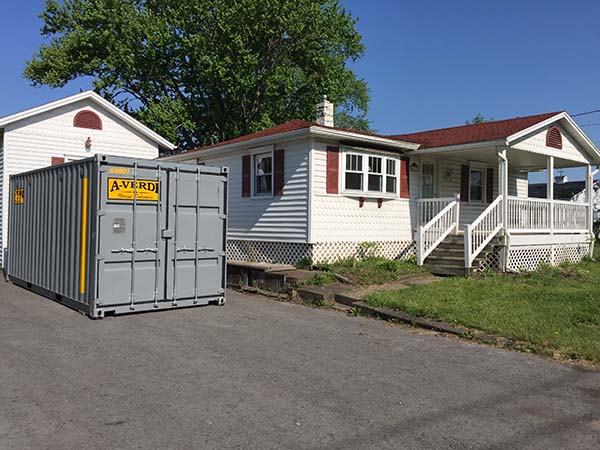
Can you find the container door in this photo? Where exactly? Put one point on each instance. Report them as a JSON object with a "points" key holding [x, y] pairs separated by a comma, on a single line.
{"points": [[196, 257], [131, 248]]}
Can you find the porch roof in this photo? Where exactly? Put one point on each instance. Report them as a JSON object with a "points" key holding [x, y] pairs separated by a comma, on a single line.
{"points": [[469, 134], [508, 133]]}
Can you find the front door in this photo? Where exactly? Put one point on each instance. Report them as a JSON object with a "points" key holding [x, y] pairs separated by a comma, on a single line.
{"points": [[428, 180]]}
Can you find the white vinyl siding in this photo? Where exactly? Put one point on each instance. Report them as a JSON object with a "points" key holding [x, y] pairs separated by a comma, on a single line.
{"points": [[269, 218], [537, 144], [31, 143], [338, 217]]}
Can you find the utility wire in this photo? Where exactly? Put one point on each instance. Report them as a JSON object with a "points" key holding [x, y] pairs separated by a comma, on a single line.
{"points": [[587, 112], [590, 124]]}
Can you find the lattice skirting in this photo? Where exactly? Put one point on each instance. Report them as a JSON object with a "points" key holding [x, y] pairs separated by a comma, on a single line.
{"points": [[528, 258], [267, 251], [332, 251], [291, 253]]}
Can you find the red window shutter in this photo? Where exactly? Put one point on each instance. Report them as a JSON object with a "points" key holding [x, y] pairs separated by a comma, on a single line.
{"points": [[87, 119], [464, 183], [489, 188], [404, 178], [57, 160], [246, 176], [554, 138], [333, 169], [278, 172]]}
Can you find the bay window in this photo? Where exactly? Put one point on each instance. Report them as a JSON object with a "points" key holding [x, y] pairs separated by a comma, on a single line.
{"points": [[370, 174]]}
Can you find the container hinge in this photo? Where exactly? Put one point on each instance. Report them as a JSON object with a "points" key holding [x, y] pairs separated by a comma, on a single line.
{"points": [[205, 249], [223, 216], [185, 249], [100, 213], [99, 257], [221, 253]]}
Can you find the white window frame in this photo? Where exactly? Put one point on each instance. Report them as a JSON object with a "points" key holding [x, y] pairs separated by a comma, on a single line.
{"points": [[269, 150], [365, 192], [483, 169]]}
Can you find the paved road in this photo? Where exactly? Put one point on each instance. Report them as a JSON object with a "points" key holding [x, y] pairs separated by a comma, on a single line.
{"points": [[258, 374]]}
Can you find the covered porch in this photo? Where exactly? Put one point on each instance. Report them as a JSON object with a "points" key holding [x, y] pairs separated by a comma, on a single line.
{"points": [[479, 194]]}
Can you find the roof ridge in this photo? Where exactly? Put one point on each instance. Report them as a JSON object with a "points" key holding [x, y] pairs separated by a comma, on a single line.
{"points": [[491, 122]]}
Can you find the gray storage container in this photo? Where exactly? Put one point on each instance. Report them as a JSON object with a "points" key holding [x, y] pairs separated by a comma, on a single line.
{"points": [[110, 235]]}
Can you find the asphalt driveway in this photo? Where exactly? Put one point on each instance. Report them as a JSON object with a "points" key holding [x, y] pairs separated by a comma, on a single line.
{"points": [[258, 374]]}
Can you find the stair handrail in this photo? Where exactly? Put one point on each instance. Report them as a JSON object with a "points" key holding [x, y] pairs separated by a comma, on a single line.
{"points": [[483, 229], [435, 231]]}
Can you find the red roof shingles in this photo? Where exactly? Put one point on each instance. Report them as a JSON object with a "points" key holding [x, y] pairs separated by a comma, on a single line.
{"points": [[292, 125], [467, 134]]}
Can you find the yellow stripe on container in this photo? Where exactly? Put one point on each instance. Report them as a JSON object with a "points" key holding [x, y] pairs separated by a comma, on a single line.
{"points": [[84, 219]]}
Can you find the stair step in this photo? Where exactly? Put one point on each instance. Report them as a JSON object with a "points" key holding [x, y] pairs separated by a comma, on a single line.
{"points": [[451, 259]]}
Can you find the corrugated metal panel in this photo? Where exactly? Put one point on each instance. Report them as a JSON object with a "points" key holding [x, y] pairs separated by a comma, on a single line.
{"points": [[114, 235]]}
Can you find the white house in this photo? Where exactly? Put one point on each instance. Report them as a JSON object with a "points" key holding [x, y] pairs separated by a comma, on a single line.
{"points": [[456, 197], [65, 130]]}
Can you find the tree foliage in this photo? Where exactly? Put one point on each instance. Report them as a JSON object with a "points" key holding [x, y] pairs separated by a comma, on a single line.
{"points": [[200, 71], [479, 119]]}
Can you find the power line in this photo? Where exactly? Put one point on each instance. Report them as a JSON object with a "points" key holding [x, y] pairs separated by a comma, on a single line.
{"points": [[590, 124], [587, 112]]}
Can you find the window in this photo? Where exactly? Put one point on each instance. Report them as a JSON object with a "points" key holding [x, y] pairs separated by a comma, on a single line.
{"points": [[370, 174], [375, 174], [476, 185], [354, 172], [263, 174], [391, 179]]}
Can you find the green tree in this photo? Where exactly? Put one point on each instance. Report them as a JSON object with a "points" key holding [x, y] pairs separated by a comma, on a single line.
{"points": [[200, 71], [479, 119]]}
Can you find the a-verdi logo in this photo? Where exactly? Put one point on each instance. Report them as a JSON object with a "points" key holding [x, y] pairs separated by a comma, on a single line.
{"points": [[126, 188], [19, 196]]}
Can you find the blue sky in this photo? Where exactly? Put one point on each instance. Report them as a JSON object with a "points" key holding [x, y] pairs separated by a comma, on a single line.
{"points": [[429, 64]]}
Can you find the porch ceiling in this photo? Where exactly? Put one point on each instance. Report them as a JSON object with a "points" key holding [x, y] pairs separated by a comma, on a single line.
{"points": [[517, 159]]}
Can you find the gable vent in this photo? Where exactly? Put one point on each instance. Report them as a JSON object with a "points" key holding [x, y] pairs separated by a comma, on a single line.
{"points": [[87, 119], [554, 138]]}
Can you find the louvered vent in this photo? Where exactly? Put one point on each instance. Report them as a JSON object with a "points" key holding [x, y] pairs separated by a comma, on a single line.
{"points": [[87, 119], [554, 138]]}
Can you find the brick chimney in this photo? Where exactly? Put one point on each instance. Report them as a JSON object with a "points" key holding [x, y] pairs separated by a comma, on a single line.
{"points": [[325, 113]]}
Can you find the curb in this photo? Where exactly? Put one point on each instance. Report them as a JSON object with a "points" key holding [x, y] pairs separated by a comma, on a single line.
{"points": [[397, 316]]}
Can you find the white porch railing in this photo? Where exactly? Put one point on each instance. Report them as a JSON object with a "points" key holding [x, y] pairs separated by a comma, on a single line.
{"points": [[428, 208], [570, 216], [541, 215], [482, 230], [435, 230]]}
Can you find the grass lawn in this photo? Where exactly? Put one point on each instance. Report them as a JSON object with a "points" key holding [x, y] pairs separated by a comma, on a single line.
{"points": [[373, 270], [555, 311]]}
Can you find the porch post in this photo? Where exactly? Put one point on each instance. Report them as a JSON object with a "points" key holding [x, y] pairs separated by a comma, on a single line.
{"points": [[503, 184], [589, 189], [550, 190]]}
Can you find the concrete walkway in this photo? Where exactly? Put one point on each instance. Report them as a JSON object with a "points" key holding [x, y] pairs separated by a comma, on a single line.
{"points": [[260, 374]]}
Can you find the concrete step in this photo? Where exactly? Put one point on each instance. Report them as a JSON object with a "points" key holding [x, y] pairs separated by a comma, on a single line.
{"points": [[447, 269]]}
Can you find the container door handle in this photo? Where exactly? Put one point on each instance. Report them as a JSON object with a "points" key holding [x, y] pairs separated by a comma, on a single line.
{"points": [[122, 250]]}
